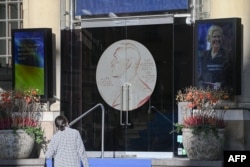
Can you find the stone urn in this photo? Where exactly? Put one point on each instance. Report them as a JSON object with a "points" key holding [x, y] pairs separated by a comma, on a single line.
{"points": [[15, 144], [204, 146]]}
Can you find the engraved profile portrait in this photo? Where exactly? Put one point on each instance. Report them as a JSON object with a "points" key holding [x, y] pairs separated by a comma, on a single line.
{"points": [[126, 75]]}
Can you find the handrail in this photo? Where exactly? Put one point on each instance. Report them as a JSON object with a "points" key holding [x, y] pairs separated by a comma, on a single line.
{"points": [[84, 114], [158, 111]]}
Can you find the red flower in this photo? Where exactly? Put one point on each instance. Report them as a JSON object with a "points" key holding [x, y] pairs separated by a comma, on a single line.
{"points": [[18, 109], [200, 111]]}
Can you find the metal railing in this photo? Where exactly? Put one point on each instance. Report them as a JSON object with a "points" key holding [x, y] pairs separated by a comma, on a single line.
{"points": [[102, 132], [160, 113]]}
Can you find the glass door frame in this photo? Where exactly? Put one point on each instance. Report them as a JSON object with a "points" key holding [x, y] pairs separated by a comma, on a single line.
{"points": [[129, 21]]}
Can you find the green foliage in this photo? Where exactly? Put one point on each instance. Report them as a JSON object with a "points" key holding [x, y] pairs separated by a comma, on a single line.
{"points": [[178, 128], [37, 132], [197, 130]]}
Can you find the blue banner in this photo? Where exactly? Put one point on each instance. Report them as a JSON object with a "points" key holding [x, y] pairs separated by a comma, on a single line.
{"points": [[105, 7]]}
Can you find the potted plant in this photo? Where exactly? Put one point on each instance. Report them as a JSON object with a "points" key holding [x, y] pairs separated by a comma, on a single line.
{"points": [[20, 113], [202, 125]]}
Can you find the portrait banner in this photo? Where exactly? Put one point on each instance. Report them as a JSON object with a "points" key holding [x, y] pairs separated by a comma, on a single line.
{"points": [[218, 54]]}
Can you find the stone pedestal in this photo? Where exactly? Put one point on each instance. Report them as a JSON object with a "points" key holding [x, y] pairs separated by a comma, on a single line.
{"points": [[182, 110], [48, 125], [237, 129]]}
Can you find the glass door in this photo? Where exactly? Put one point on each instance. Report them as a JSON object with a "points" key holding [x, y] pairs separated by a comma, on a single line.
{"points": [[127, 65]]}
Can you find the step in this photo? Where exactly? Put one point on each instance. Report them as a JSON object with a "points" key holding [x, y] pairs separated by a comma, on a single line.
{"points": [[36, 162], [120, 162], [184, 162], [111, 162]]}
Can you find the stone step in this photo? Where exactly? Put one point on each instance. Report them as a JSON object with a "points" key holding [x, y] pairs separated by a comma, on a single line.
{"points": [[184, 162], [36, 162], [99, 162]]}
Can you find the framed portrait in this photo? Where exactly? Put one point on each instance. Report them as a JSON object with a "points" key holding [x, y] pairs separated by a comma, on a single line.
{"points": [[218, 54]]}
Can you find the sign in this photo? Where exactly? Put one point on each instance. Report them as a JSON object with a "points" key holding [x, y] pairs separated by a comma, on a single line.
{"points": [[236, 158]]}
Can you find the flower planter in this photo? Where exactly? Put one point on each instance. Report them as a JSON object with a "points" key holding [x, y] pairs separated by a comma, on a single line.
{"points": [[15, 144], [203, 146]]}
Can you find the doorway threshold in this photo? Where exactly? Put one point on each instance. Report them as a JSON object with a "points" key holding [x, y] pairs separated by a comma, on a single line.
{"points": [[130, 154]]}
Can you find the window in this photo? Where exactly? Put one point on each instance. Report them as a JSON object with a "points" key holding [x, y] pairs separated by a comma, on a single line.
{"points": [[11, 17]]}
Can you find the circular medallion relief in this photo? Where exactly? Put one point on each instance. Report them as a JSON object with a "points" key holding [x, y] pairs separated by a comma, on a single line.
{"points": [[126, 75]]}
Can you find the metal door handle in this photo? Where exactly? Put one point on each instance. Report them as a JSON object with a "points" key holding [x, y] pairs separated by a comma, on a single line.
{"points": [[125, 103]]}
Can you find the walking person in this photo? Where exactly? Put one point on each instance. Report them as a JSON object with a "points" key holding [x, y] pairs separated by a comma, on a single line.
{"points": [[66, 146]]}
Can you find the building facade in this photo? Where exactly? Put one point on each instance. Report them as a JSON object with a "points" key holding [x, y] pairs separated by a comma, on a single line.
{"points": [[58, 16]]}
